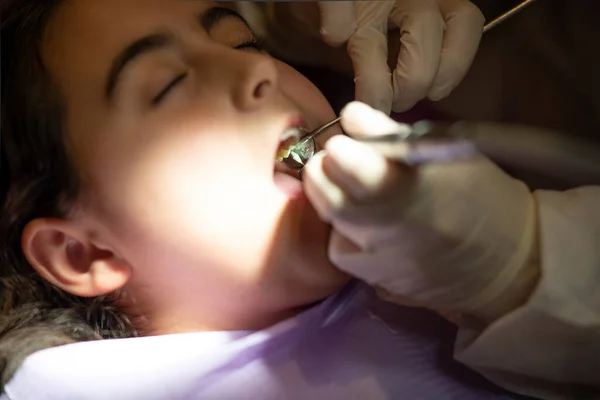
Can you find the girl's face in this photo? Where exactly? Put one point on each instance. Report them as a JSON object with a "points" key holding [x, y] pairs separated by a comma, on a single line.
{"points": [[173, 120]]}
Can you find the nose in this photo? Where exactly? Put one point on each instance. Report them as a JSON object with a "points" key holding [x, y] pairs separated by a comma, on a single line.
{"points": [[257, 81], [247, 79]]}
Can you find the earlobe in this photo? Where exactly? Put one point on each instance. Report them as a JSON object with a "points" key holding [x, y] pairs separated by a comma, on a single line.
{"points": [[63, 254]]}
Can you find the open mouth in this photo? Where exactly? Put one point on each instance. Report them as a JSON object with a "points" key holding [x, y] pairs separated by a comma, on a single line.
{"points": [[286, 178], [285, 158], [289, 138]]}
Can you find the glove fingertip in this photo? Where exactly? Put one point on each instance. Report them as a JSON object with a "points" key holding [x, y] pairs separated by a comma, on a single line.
{"points": [[360, 119], [338, 22], [337, 37], [380, 100], [403, 104], [354, 108], [438, 93]]}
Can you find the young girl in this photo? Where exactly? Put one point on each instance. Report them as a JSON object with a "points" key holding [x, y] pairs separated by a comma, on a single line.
{"points": [[145, 200]]}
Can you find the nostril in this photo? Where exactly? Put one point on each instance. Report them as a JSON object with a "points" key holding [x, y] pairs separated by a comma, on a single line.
{"points": [[261, 89]]}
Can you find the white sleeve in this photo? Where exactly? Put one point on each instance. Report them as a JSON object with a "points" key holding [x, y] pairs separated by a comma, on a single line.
{"points": [[550, 347]]}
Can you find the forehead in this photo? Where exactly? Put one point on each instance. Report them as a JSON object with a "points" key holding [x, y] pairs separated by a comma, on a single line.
{"points": [[99, 26], [83, 38]]}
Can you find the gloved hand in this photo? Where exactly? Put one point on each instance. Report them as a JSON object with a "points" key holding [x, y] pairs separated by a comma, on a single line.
{"points": [[438, 44], [454, 237]]}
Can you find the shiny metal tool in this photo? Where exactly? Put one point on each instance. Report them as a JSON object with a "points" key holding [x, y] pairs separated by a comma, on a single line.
{"points": [[563, 160], [510, 13], [306, 147], [566, 161]]}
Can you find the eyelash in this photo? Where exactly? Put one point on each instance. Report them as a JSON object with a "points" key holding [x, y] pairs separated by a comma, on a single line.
{"points": [[165, 91], [254, 43]]}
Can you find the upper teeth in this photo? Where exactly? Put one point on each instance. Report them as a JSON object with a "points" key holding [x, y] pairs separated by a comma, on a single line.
{"points": [[288, 139], [294, 132]]}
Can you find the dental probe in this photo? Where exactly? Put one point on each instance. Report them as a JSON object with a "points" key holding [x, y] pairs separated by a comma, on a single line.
{"points": [[317, 132], [541, 151], [513, 11]]}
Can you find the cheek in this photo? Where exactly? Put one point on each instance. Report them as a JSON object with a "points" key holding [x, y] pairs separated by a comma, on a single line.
{"points": [[304, 93], [308, 97], [174, 197], [185, 219]]}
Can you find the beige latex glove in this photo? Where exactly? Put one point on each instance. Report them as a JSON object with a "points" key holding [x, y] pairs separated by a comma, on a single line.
{"points": [[439, 40], [454, 237], [438, 44], [338, 21]]}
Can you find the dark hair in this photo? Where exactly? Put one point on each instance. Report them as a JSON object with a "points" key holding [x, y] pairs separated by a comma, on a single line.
{"points": [[37, 180]]}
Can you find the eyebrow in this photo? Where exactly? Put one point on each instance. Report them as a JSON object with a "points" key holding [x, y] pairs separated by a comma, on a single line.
{"points": [[214, 15], [208, 20]]}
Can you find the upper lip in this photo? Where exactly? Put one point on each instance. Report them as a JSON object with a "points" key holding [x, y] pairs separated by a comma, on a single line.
{"points": [[295, 120]]}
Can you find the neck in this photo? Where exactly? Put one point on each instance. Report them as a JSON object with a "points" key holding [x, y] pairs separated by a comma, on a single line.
{"points": [[181, 322]]}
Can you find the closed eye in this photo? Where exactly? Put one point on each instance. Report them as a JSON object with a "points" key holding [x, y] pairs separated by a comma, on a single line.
{"points": [[257, 44], [252, 44], [167, 89]]}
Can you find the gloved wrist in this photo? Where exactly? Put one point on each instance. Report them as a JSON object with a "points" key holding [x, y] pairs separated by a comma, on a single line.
{"points": [[518, 269], [511, 295], [514, 296]]}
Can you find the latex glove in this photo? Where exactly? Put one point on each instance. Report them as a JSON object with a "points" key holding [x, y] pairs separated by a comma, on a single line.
{"points": [[453, 237], [438, 44], [338, 21]]}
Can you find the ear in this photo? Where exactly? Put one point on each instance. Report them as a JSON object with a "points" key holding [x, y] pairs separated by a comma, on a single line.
{"points": [[63, 254]]}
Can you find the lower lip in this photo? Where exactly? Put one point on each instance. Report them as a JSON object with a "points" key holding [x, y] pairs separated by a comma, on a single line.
{"points": [[288, 182], [288, 185]]}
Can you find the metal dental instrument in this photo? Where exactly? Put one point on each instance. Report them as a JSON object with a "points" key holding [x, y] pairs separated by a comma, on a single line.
{"points": [[513, 11], [302, 151], [562, 160], [549, 155], [306, 147]]}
